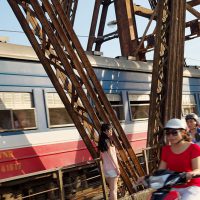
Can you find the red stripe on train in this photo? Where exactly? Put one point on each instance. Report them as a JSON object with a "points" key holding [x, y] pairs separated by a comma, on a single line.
{"points": [[14, 162]]}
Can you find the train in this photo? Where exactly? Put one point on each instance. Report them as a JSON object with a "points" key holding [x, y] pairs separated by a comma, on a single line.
{"points": [[37, 133]]}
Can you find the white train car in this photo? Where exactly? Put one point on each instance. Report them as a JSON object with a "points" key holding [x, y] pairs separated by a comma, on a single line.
{"points": [[36, 132]]}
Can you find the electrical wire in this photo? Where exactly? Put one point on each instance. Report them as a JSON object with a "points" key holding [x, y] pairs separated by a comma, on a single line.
{"points": [[21, 32], [11, 31]]}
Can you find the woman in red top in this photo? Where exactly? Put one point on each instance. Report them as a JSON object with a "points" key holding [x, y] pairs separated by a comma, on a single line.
{"points": [[182, 156]]}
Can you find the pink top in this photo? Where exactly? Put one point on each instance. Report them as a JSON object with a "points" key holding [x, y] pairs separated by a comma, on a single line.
{"points": [[109, 159], [181, 162]]}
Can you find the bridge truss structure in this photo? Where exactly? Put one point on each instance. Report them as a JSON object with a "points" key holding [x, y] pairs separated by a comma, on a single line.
{"points": [[48, 25]]}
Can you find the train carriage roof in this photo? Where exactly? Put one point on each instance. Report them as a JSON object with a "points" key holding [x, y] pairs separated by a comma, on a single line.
{"points": [[14, 51], [20, 52]]}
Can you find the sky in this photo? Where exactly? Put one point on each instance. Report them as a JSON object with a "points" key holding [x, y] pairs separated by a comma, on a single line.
{"points": [[9, 23]]}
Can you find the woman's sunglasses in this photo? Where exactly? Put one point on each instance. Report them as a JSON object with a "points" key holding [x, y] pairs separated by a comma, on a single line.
{"points": [[173, 132]]}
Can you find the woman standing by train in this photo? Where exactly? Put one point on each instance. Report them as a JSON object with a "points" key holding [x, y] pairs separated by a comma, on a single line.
{"points": [[109, 157]]}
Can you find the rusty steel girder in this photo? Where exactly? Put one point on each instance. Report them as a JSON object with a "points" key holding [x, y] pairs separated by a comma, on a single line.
{"points": [[194, 3], [70, 8], [140, 45], [100, 38], [167, 75], [149, 40], [126, 24], [62, 56], [126, 27], [153, 3]]}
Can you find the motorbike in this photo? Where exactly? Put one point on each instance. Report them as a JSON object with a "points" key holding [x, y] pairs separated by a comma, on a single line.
{"points": [[162, 182]]}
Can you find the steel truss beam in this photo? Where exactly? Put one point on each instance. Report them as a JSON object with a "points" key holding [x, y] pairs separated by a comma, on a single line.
{"points": [[56, 45], [166, 89], [70, 7], [126, 27], [193, 3], [100, 37], [126, 43], [127, 30], [193, 26], [153, 3]]}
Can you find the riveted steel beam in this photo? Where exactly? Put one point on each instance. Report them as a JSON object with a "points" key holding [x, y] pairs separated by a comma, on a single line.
{"points": [[56, 44], [166, 89]]}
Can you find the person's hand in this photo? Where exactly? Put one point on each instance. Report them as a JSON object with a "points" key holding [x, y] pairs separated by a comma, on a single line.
{"points": [[118, 171], [140, 180], [189, 176]]}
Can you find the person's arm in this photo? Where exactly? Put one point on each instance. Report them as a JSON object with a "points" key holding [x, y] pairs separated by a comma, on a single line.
{"points": [[163, 165], [195, 168], [116, 164], [113, 160]]}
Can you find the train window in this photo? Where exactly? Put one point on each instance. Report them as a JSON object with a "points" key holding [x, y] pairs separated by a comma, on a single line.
{"points": [[139, 105], [58, 116], [5, 120], [16, 111], [188, 104], [117, 105], [25, 118]]}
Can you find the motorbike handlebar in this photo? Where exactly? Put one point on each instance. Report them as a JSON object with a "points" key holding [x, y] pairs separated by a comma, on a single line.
{"points": [[165, 178]]}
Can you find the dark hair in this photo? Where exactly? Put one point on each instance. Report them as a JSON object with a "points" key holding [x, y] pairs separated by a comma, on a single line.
{"points": [[102, 145], [192, 116]]}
